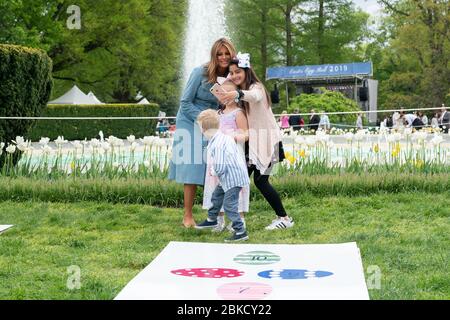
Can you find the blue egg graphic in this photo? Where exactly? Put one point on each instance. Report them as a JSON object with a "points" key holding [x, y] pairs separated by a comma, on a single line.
{"points": [[292, 274]]}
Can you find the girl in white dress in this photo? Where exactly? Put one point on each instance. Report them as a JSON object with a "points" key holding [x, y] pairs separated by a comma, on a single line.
{"points": [[233, 122]]}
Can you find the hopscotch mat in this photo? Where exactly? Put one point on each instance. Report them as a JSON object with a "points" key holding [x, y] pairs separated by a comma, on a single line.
{"points": [[4, 227], [210, 271]]}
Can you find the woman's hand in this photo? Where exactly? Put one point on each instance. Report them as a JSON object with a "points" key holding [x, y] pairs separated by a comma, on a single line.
{"points": [[227, 97]]}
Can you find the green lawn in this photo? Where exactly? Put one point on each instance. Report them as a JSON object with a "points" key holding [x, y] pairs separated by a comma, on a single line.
{"points": [[406, 235]]}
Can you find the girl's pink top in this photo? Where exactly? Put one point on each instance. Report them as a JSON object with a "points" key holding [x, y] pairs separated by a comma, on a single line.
{"points": [[285, 122]]}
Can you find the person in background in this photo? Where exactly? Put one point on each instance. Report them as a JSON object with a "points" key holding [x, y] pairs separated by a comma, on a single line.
{"points": [[284, 120], [314, 120], [411, 120], [423, 117], [445, 119], [295, 121], [359, 122], [324, 123], [435, 120]]}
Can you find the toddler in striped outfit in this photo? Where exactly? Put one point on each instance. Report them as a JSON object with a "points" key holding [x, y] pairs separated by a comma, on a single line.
{"points": [[231, 171]]}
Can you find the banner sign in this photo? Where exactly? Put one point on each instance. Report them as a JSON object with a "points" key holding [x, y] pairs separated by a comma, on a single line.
{"points": [[320, 71]]}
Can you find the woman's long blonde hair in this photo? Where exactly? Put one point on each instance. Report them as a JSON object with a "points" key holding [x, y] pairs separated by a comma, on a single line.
{"points": [[212, 67]]}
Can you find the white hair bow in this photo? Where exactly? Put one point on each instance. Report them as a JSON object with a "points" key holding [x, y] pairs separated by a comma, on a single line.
{"points": [[244, 60]]}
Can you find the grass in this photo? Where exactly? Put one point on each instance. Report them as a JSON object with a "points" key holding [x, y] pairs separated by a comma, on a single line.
{"points": [[163, 193], [405, 234]]}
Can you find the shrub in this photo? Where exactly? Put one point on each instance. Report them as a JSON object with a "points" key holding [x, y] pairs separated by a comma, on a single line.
{"points": [[329, 101], [25, 87], [81, 129]]}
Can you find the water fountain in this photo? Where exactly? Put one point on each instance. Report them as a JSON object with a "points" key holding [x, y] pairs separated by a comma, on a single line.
{"points": [[206, 24]]}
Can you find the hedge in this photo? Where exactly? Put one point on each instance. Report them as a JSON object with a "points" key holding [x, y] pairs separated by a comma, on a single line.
{"points": [[81, 129], [164, 193], [25, 87]]}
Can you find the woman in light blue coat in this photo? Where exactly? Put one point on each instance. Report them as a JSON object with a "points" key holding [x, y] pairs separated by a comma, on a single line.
{"points": [[188, 164]]}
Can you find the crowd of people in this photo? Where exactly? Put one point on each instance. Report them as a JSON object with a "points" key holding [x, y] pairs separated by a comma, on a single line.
{"points": [[297, 122], [398, 120], [418, 120]]}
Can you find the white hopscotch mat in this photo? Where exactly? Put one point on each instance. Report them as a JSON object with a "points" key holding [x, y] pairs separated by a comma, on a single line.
{"points": [[4, 227], [210, 271]]}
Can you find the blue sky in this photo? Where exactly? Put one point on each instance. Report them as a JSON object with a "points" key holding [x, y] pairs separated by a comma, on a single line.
{"points": [[370, 6]]}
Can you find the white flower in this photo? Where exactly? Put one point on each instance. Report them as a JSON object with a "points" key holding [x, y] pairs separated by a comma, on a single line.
{"points": [[299, 140], [115, 164], [19, 140], [44, 141], [359, 136], [105, 146], [349, 136], [11, 148], [160, 142], [131, 138], [95, 143], [46, 150], [148, 140], [23, 146], [397, 136], [133, 146], [60, 141], [310, 141], [437, 139], [101, 135], [408, 131], [147, 163], [77, 145]]}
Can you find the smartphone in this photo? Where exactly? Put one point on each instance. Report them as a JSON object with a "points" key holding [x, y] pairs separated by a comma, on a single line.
{"points": [[216, 88]]}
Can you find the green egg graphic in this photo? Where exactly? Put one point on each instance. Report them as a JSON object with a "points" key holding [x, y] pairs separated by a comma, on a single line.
{"points": [[257, 258]]}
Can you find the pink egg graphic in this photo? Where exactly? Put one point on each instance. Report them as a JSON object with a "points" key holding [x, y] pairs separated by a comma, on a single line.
{"points": [[244, 291], [216, 273]]}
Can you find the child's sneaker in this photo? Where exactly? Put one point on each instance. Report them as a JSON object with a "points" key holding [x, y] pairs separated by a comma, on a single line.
{"points": [[220, 224], [206, 224], [230, 225], [237, 237], [280, 223]]}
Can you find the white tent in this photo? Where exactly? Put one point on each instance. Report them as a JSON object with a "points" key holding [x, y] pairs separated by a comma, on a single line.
{"points": [[92, 96], [144, 101], [74, 96]]}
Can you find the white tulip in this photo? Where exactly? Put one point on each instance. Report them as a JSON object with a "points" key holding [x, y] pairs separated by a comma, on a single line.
{"points": [[437, 139], [95, 143], [299, 140], [106, 146], [115, 165], [19, 140], [22, 146], [147, 163], [133, 146], [44, 141], [131, 138], [46, 150], [60, 141], [77, 145], [11, 148], [349, 136]]}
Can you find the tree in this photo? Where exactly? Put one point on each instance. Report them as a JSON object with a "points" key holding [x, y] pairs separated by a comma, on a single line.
{"points": [[415, 53]]}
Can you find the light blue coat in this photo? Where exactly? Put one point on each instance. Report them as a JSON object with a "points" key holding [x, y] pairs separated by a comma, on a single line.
{"points": [[188, 163]]}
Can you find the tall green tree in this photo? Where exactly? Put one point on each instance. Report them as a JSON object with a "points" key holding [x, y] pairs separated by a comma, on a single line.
{"points": [[334, 31], [414, 68], [121, 48]]}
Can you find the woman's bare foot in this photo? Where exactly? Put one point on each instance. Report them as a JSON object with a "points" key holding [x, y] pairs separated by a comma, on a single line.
{"points": [[189, 223]]}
